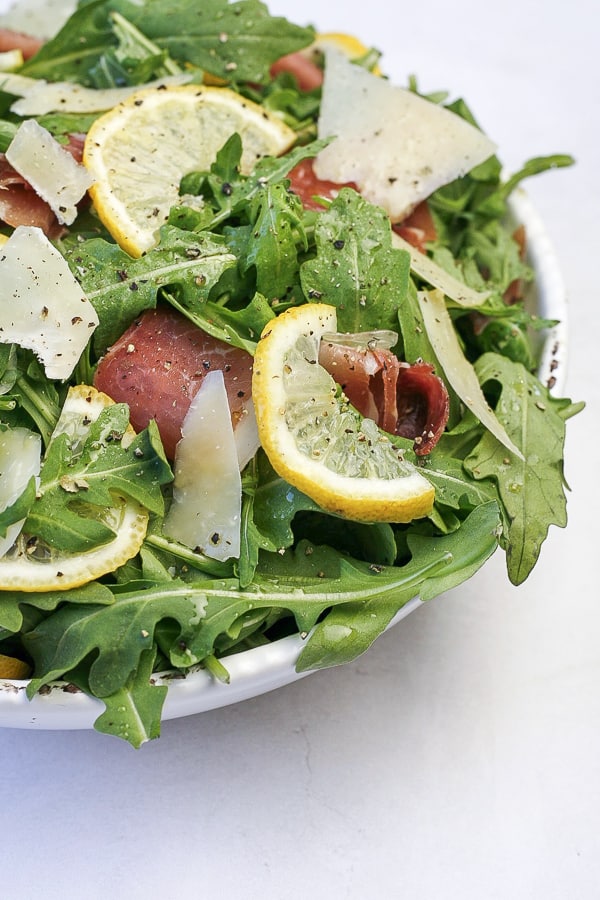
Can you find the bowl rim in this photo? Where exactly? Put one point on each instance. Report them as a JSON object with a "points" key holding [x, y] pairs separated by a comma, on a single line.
{"points": [[60, 706]]}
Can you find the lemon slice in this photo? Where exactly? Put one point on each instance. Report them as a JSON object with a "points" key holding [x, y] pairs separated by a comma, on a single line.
{"points": [[139, 151], [32, 566], [13, 668], [315, 440]]}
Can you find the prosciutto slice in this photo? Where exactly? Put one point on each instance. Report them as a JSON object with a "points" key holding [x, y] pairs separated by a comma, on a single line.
{"points": [[16, 40], [158, 365], [404, 399]]}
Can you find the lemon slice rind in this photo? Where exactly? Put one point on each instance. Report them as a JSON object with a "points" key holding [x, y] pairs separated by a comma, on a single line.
{"points": [[21, 572]]}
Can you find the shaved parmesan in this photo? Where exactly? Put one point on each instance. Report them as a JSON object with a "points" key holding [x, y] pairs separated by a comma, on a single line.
{"points": [[20, 460], [458, 370], [50, 169], [207, 489], [394, 145], [437, 277], [246, 437], [42, 306], [40, 97]]}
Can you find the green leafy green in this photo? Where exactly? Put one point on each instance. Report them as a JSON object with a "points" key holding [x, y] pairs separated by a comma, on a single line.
{"points": [[7, 133], [355, 268], [76, 48], [74, 493], [120, 287], [18, 510], [133, 712], [350, 629], [30, 398], [234, 41], [14, 605], [532, 490]]}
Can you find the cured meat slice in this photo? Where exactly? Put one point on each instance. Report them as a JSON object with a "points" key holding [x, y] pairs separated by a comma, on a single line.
{"points": [[158, 365], [404, 399]]}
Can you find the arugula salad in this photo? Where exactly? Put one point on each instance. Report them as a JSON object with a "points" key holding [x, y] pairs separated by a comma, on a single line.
{"points": [[96, 589]]}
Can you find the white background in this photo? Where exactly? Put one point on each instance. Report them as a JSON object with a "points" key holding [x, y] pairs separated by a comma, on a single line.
{"points": [[460, 757]]}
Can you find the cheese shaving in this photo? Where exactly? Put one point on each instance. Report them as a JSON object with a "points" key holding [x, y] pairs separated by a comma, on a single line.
{"points": [[457, 369], [207, 490], [393, 144], [42, 306], [20, 460], [429, 271], [50, 169], [39, 97]]}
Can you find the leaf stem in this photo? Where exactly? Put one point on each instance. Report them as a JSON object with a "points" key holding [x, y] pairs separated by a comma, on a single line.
{"points": [[44, 413], [216, 669], [194, 558]]}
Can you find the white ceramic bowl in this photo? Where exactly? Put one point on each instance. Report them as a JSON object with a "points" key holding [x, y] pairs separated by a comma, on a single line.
{"points": [[257, 671]]}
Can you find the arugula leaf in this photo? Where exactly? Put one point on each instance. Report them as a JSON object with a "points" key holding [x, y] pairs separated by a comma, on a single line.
{"points": [[272, 242], [120, 287], [227, 193], [536, 166], [234, 41], [7, 133], [12, 603], [33, 395], [240, 328], [135, 59], [9, 371], [269, 505], [74, 494], [356, 269], [306, 598], [133, 712], [177, 560], [77, 47], [276, 505], [61, 125], [532, 490], [64, 640], [350, 628], [454, 486]]}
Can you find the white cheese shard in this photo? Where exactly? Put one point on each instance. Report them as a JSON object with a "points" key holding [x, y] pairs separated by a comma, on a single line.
{"points": [[437, 277], [246, 436], [458, 370], [207, 489], [20, 460], [39, 97], [50, 169], [42, 306], [394, 145]]}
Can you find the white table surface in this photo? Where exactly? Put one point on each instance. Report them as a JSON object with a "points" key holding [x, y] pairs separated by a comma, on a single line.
{"points": [[460, 757]]}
